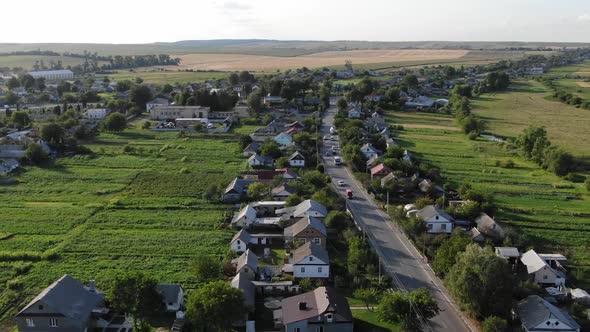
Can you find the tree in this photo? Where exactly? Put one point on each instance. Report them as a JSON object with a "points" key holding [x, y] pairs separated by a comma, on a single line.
{"points": [[135, 294], [146, 125], [257, 190], [234, 79], [244, 141], [367, 295], [34, 154], [411, 81], [140, 95], [293, 200], [282, 162], [403, 307], [114, 122], [338, 220], [558, 161], [342, 104], [447, 253], [205, 268], [11, 98], [52, 133], [494, 324], [215, 306], [255, 101], [20, 119], [211, 192], [13, 83], [481, 282], [270, 148]]}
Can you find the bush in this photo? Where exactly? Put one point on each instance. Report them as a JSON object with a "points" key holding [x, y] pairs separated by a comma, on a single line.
{"points": [[576, 178], [422, 202], [494, 324], [114, 122], [587, 184], [146, 125], [35, 154]]}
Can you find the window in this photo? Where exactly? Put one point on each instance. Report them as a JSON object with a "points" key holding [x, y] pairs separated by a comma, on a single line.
{"points": [[545, 277], [40, 307], [310, 259], [329, 318], [302, 270], [53, 322], [443, 226], [429, 226], [297, 329], [436, 218], [30, 322], [239, 247], [319, 269], [319, 329], [317, 241]]}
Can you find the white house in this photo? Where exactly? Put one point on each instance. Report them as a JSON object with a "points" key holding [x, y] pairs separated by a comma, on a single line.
{"points": [[369, 151], [541, 272], [297, 159], [156, 102], [96, 113], [245, 218], [283, 139], [53, 75], [436, 220], [172, 296], [240, 241], [307, 208], [175, 112], [311, 261], [536, 314], [258, 160], [247, 263]]}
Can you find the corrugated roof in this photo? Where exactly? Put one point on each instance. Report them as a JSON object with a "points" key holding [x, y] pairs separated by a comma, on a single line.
{"points": [[534, 311], [309, 249], [318, 302], [241, 281], [532, 261], [247, 259], [301, 225], [431, 211]]}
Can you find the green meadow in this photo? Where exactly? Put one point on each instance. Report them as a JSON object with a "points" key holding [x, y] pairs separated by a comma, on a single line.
{"points": [[95, 216]]}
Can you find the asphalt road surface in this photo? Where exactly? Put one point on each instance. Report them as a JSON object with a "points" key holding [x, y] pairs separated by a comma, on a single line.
{"points": [[397, 254]]}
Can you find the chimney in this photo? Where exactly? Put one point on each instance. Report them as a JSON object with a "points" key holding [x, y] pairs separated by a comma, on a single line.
{"points": [[302, 305], [92, 286]]}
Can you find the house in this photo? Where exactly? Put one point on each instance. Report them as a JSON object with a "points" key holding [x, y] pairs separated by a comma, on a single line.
{"points": [[240, 241], [236, 190], [257, 160], [427, 186], [374, 97], [247, 263], [175, 112], [507, 252], [310, 261], [66, 305], [387, 179], [437, 220], [536, 314], [369, 151], [283, 139], [271, 101], [541, 272], [307, 208], [156, 102], [323, 309], [407, 156], [53, 75], [96, 113], [242, 281], [420, 102], [296, 159], [251, 149], [489, 228], [380, 171], [344, 74], [355, 111], [308, 229], [245, 218], [172, 297], [282, 192]]}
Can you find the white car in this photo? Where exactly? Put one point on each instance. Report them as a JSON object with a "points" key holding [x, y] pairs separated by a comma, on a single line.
{"points": [[341, 183]]}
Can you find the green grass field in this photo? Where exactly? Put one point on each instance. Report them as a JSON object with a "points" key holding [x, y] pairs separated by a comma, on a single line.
{"points": [[161, 77], [367, 321], [27, 61], [553, 213], [509, 113], [114, 212]]}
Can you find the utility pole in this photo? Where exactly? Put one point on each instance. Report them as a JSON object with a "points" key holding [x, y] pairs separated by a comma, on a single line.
{"points": [[379, 270]]}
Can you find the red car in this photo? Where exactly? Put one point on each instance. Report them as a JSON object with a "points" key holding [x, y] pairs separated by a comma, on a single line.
{"points": [[348, 194]]}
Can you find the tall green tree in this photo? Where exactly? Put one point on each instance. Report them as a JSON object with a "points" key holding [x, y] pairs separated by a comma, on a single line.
{"points": [[52, 133], [408, 308], [140, 95], [114, 122], [215, 306], [135, 294], [20, 119], [494, 324], [447, 253], [205, 268]]}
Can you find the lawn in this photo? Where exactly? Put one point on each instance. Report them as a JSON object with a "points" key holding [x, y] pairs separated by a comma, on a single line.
{"points": [[27, 61], [98, 216], [551, 212], [367, 321], [525, 103]]}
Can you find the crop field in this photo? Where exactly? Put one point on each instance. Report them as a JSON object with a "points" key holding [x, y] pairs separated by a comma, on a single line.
{"points": [[553, 213], [162, 77], [27, 61], [509, 113], [96, 216]]}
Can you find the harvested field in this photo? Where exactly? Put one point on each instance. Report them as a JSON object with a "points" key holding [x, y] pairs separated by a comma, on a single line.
{"points": [[583, 84], [234, 62]]}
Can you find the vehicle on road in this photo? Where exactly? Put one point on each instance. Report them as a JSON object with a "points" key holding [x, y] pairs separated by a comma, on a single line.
{"points": [[337, 161], [333, 130], [348, 194], [326, 138], [341, 183], [328, 153]]}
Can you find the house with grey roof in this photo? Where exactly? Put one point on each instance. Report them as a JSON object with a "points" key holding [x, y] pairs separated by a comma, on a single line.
{"points": [[536, 315], [257, 160], [296, 159], [245, 218], [489, 228], [172, 296], [66, 305], [247, 263], [436, 220], [309, 261], [323, 309], [308, 229], [540, 271], [242, 281], [307, 208], [240, 241], [282, 192], [369, 151], [236, 189]]}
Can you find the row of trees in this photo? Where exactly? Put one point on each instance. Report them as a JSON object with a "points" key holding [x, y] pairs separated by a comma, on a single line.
{"points": [[537, 147]]}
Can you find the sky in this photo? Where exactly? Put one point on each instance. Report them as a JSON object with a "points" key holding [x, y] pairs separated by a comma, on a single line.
{"points": [[147, 21]]}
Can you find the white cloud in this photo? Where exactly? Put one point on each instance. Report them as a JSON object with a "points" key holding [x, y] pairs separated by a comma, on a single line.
{"points": [[584, 18]]}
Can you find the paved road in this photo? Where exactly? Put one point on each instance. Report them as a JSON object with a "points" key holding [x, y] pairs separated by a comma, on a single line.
{"points": [[398, 255]]}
